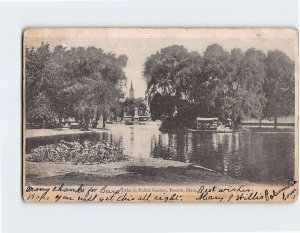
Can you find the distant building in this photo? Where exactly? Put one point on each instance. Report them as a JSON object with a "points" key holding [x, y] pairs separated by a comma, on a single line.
{"points": [[134, 111], [131, 92]]}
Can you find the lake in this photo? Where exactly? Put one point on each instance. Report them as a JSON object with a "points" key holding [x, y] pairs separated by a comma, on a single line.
{"points": [[260, 157]]}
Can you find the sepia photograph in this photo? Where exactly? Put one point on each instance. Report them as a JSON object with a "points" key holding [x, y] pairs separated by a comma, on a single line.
{"points": [[165, 116], [160, 114]]}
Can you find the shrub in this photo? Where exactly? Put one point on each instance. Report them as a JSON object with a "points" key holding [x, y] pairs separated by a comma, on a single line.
{"points": [[78, 153]]}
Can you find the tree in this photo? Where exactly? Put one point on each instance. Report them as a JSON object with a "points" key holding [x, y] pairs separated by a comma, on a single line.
{"points": [[279, 85], [230, 84], [156, 107], [243, 95], [170, 75], [208, 85], [102, 75], [163, 107], [39, 106], [106, 99], [171, 71], [129, 106]]}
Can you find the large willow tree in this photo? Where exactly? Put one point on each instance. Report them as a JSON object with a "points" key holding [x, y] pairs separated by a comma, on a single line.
{"points": [[171, 72]]}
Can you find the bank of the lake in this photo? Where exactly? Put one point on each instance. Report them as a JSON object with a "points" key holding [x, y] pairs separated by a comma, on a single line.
{"points": [[33, 133], [136, 171]]}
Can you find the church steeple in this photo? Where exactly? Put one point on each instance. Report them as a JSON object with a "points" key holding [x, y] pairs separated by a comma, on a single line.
{"points": [[131, 88], [131, 91]]}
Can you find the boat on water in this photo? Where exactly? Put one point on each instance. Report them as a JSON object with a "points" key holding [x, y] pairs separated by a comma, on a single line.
{"points": [[212, 125]]}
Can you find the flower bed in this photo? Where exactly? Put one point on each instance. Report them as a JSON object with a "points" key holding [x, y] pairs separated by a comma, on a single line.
{"points": [[78, 153]]}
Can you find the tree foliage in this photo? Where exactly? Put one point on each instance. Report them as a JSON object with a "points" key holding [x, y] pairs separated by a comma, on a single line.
{"points": [[171, 70], [82, 83], [129, 106], [234, 85], [279, 85]]}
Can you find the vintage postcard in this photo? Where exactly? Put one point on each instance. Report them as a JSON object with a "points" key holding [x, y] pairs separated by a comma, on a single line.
{"points": [[160, 115]]}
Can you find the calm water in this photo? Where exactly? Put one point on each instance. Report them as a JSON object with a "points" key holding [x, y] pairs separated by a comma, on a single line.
{"points": [[257, 157], [252, 156]]}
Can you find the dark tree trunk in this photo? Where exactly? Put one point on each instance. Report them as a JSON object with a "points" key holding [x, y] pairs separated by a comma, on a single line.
{"points": [[80, 122], [104, 121], [86, 120], [44, 122], [275, 122], [86, 123], [95, 123], [41, 122], [60, 122], [276, 105], [259, 123]]}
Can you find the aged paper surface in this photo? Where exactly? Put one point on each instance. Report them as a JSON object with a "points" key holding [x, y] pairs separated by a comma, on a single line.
{"points": [[160, 115]]}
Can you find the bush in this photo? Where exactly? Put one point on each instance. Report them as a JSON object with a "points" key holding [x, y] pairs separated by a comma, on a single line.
{"points": [[78, 153]]}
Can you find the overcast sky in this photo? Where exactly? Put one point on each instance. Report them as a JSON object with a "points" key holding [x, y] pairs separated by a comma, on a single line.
{"points": [[138, 49]]}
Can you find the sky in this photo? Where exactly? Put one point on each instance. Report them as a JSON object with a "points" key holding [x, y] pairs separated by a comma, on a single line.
{"points": [[138, 49]]}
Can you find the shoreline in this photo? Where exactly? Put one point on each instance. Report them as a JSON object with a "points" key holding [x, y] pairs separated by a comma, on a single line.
{"points": [[135, 171], [34, 133]]}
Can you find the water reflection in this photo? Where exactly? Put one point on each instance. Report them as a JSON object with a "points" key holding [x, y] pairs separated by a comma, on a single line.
{"points": [[256, 157]]}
